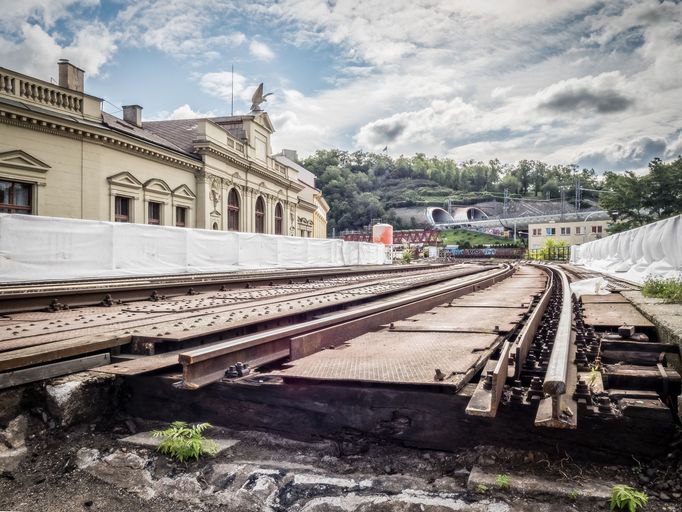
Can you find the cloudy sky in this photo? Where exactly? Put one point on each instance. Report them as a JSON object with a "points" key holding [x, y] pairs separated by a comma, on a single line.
{"points": [[593, 83]]}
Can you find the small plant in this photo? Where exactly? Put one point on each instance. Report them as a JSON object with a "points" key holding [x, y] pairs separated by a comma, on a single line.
{"points": [[573, 495], [624, 497], [669, 289], [502, 481], [407, 256], [481, 488], [184, 442]]}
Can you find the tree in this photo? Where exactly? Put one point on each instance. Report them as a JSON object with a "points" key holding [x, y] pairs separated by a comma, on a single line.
{"points": [[523, 172], [664, 188], [623, 199]]}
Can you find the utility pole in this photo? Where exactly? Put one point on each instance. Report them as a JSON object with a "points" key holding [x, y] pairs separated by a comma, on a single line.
{"points": [[563, 203], [578, 193], [505, 206]]}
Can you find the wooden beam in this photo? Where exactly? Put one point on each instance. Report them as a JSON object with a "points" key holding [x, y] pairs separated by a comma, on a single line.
{"points": [[47, 371]]}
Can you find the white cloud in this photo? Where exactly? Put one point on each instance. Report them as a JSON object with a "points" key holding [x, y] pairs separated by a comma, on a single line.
{"points": [[185, 112], [261, 51], [37, 51]]}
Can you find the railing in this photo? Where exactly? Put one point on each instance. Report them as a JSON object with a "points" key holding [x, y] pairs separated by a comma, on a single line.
{"points": [[37, 92], [550, 254]]}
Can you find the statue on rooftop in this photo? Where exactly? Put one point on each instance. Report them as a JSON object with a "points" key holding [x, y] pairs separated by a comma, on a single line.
{"points": [[258, 98]]}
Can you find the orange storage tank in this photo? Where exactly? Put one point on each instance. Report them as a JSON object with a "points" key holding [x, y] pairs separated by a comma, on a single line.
{"points": [[382, 234]]}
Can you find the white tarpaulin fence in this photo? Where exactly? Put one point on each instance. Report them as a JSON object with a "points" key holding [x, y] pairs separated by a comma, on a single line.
{"points": [[651, 250], [36, 248]]}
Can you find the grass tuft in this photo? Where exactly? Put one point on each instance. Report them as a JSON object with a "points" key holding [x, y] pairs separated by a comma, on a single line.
{"points": [[669, 289]]}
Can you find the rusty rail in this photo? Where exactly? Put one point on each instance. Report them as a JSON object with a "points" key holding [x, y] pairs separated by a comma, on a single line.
{"points": [[35, 296], [206, 365], [561, 374]]}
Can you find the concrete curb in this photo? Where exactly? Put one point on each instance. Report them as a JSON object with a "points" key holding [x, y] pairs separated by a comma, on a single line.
{"points": [[530, 485]]}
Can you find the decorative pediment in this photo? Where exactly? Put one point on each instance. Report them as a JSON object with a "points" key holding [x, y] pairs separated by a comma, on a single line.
{"points": [[125, 179], [158, 186], [263, 119], [19, 159], [184, 192]]}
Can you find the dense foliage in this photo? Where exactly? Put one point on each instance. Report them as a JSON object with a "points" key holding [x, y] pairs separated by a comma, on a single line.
{"points": [[363, 186], [634, 200], [360, 187]]}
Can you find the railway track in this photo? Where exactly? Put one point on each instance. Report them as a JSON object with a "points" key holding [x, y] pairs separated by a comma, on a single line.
{"points": [[491, 348], [59, 295], [159, 326]]}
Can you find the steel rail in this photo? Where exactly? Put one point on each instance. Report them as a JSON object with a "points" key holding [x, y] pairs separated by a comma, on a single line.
{"points": [[487, 396], [208, 364], [560, 376], [34, 296]]}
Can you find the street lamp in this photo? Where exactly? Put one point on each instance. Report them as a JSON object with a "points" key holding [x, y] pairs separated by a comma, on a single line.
{"points": [[585, 225]]}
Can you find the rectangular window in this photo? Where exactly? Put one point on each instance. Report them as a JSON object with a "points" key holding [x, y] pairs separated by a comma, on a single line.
{"points": [[180, 216], [565, 231], [153, 213], [15, 197], [122, 209], [537, 231], [550, 231], [303, 232], [596, 229], [577, 230]]}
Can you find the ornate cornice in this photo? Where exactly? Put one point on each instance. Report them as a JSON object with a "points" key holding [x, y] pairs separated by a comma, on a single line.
{"points": [[95, 135]]}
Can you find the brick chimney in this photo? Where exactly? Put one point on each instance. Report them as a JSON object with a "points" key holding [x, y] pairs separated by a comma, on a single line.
{"points": [[133, 114], [70, 76]]}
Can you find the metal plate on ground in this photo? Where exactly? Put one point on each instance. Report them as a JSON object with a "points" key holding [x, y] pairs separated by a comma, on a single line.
{"points": [[613, 315], [612, 298], [397, 358], [462, 319]]}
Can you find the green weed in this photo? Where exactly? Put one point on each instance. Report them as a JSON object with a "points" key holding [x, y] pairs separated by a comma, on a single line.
{"points": [[481, 488], [502, 481], [624, 497], [184, 442], [669, 289]]}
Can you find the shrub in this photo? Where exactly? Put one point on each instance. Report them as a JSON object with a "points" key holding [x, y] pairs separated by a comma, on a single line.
{"points": [[184, 442]]}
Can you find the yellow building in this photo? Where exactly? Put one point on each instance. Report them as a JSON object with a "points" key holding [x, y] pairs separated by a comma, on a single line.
{"points": [[62, 156], [573, 232]]}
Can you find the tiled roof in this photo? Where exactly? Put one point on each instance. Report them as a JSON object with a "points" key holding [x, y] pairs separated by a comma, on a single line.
{"points": [[144, 133], [180, 132]]}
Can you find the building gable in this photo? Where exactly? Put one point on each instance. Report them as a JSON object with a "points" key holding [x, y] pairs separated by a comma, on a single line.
{"points": [[125, 179], [18, 159]]}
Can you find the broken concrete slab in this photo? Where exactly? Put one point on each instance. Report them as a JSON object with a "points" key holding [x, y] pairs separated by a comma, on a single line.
{"points": [[80, 397], [147, 440], [531, 485], [11, 459]]}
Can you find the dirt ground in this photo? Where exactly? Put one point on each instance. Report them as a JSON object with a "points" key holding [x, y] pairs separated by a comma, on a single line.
{"points": [[88, 468]]}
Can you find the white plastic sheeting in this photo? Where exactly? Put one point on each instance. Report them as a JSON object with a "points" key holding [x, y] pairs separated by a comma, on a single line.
{"points": [[36, 248], [651, 250]]}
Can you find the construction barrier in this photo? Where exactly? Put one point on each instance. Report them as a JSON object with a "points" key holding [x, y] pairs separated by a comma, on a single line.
{"points": [[651, 250], [34, 248]]}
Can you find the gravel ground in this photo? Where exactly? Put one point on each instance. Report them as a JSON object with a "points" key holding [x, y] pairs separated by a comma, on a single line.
{"points": [[88, 468]]}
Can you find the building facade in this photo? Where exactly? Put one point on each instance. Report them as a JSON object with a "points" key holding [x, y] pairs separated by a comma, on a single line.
{"points": [[573, 233], [62, 156]]}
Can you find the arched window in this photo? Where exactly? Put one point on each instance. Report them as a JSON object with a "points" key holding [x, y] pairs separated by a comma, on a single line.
{"points": [[215, 226], [260, 215], [278, 219], [233, 211]]}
